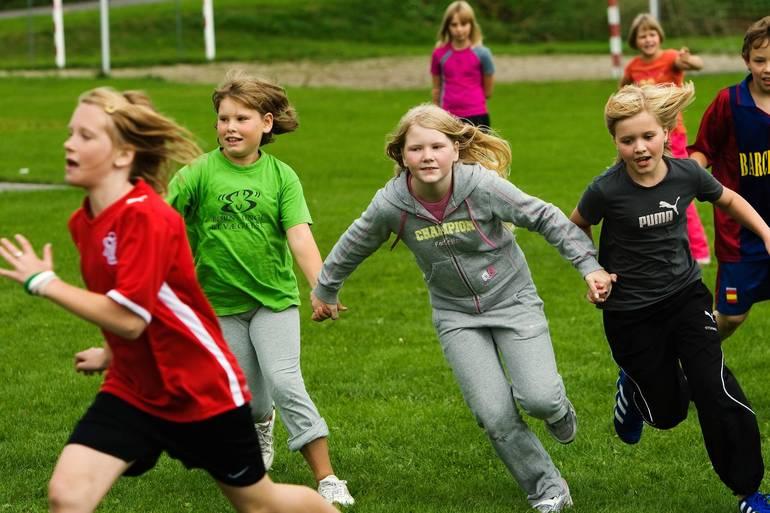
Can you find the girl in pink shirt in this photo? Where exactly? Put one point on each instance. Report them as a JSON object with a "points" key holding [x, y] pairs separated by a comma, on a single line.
{"points": [[462, 68]]}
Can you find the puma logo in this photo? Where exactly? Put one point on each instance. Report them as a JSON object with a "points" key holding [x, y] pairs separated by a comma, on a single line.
{"points": [[666, 204]]}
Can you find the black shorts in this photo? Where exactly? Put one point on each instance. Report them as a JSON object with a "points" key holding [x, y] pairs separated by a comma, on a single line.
{"points": [[225, 446]]}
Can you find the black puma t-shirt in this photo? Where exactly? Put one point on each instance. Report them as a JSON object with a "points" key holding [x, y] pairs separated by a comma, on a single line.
{"points": [[644, 231]]}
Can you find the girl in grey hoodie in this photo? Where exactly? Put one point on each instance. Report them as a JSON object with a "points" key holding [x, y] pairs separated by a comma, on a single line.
{"points": [[451, 205]]}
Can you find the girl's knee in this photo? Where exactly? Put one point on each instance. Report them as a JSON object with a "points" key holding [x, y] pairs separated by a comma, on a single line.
{"points": [[498, 423], [67, 496], [542, 406], [286, 386], [670, 422]]}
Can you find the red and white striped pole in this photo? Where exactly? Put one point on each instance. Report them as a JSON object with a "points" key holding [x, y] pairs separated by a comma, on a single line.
{"points": [[616, 48]]}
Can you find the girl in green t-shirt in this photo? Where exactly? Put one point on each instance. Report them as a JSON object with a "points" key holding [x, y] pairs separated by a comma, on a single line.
{"points": [[247, 221]]}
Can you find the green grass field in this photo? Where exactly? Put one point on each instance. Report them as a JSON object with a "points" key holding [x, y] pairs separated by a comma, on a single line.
{"points": [[400, 432]]}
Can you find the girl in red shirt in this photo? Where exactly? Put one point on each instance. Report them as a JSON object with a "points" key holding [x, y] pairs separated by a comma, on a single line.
{"points": [[171, 383]]}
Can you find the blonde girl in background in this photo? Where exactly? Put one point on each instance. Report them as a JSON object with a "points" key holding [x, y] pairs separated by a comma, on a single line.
{"points": [[450, 204], [655, 65], [172, 384], [246, 217], [462, 67]]}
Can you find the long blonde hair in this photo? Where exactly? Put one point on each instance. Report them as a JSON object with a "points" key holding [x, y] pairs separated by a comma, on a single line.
{"points": [[465, 12], [487, 149], [158, 141], [663, 101], [260, 95]]}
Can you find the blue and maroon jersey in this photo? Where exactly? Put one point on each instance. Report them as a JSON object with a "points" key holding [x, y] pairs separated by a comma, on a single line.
{"points": [[734, 135]]}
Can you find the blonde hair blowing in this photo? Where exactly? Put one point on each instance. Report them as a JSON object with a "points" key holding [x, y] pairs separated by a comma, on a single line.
{"points": [[663, 101], [487, 149], [158, 142], [465, 11], [644, 21], [261, 96]]}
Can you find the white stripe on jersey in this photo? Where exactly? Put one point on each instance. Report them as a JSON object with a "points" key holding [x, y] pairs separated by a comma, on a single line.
{"points": [[188, 317], [124, 301]]}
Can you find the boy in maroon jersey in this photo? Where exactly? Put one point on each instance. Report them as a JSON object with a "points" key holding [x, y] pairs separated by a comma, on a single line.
{"points": [[734, 139]]}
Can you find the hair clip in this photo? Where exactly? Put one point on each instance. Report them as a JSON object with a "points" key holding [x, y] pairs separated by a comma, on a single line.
{"points": [[110, 108]]}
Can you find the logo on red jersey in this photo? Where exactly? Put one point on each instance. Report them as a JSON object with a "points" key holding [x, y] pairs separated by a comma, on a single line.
{"points": [[110, 243], [138, 199]]}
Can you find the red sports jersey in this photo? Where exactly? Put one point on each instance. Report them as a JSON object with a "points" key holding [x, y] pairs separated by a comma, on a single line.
{"points": [[136, 252], [734, 136]]}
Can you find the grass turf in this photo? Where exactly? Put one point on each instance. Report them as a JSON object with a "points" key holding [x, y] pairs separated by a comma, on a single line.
{"points": [[400, 432]]}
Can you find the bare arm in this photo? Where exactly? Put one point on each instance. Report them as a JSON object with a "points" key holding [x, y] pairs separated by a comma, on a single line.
{"points": [[489, 84], [687, 61], [700, 158], [305, 251], [436, 90], [600, 285], [740, 210], [90, 306], [581, 223]]}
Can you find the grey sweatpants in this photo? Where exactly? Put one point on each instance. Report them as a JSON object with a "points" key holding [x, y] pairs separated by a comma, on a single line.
{"points": [[481, 349], [266, 345]]}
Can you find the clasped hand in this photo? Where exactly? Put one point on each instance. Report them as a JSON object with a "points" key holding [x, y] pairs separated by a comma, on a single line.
{"points": [[599, 285], [323, 311]]}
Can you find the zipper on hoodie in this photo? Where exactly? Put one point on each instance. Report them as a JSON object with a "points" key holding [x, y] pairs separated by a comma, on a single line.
{"points": [[455, 262]]}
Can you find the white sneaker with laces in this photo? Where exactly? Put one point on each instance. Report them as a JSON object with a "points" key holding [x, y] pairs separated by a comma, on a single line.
{"points": [[265, 436], [335, 491], [557, 503]]}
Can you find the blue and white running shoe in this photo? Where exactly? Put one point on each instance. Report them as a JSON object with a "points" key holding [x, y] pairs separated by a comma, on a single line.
{"points": [[628, 421], [754, 503]]}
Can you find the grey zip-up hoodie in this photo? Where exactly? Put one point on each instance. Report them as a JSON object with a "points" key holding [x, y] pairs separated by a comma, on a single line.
{"points": [[470, 261]]}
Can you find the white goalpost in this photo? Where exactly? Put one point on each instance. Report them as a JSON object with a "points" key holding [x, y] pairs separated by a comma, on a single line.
{"points": [[58, 33], [104, 23], [104, 17], [208, 29]]}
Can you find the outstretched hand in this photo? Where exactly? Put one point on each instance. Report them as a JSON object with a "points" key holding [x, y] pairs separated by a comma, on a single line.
{"points": [[599, 285], [23, 260]]}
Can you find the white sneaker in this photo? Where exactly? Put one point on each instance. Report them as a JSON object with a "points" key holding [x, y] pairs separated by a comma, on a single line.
{"points": [[265, 436], [557, 503], [335, 491]]}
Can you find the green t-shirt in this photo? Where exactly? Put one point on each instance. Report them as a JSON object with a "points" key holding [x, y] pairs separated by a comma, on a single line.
{"points": [[237, 217]]}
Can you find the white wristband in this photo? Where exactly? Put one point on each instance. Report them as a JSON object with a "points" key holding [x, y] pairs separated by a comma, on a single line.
{"points": [[38, 282]]}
